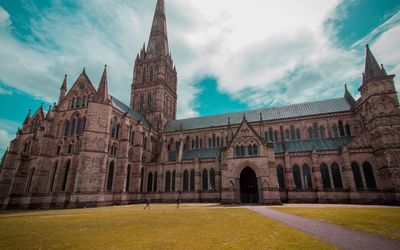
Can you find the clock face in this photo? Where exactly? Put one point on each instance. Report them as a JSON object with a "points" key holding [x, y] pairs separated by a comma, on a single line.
{"points": [[82, 86]]}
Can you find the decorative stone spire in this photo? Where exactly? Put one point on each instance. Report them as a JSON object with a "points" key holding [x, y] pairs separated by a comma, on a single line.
{"points": [[347, 95], [372, 69], [28, 117], [63, 90], [158, 41], [102, 92]]}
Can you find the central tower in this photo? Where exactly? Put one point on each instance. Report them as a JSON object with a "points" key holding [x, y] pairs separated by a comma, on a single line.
{"points": [[154, 84]]}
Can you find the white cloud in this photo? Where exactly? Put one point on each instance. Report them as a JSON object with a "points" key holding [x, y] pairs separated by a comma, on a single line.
{"points": [[5, 139], [4, 17], [262, 52]]}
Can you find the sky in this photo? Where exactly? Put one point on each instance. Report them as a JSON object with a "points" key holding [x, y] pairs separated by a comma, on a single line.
{"points": [[231, 55]]}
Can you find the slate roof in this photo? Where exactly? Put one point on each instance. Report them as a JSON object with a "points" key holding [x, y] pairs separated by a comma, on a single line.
{"points": [[196, 153], [292, 147], [131, 113], [290, 111], [307, 146]]}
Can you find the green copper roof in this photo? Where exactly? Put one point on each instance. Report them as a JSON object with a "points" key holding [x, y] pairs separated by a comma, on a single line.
{"points": [[307, 146], [290, 111], [196, 154], [291, 146]]}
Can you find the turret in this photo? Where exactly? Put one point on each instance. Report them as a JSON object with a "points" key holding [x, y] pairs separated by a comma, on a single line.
{"points": [[102, 92], [63, 90]]}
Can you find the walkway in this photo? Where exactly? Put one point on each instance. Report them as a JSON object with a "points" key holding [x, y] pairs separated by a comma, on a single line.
{"points": [[337, 235]]}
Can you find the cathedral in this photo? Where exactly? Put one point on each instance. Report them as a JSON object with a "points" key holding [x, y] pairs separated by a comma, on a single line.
{"points": [[90, 149]]}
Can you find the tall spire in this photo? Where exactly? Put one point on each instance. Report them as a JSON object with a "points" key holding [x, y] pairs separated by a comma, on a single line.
{"points": [[102, 92], [372, 69], [158, 41], [63, 90]]}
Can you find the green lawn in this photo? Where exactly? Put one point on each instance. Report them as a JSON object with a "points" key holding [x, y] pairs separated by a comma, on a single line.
{"points": [[383, 221], [162, 227]]}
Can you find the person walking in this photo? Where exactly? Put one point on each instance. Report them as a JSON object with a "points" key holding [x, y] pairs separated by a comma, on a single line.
{"points": [[178, 201], [147, 203]]}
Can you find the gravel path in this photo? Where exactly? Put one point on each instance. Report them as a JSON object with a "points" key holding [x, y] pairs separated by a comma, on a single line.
{"points": [[337, 235]]}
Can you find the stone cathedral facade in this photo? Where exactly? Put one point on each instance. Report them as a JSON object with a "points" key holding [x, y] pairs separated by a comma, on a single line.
{"points": [[90, 149]]}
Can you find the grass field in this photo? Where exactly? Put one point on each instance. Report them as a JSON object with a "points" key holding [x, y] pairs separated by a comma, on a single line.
{"points": [[383, 221], [161, 227]]}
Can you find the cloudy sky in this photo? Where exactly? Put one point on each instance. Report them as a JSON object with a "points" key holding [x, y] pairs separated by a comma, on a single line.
{"points": [[230, 55]]}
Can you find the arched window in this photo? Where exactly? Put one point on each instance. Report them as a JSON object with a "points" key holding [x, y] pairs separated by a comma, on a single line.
{"points": [[250, 149], [73, 126], [276, 135], [53, 176], [73, 103], [322, 132], [173, 180], [69, 149], [287, 135], [205, 179], [78, 102], [237, 151], [113, 127], [110, 177], [155, 181], [66, 128], [242, 151], [270, 134], [212, 179], [65, 178], [84, 101], [218, 141], [255, 149], [307, 177], [348, 131], [357, 175], [335, 131], [292, 133], [29, 180], [298, 135], [326, 179], [141, 179], [192, 180], [168, 182], [150, 182], [315, 131], [281, 177], [297, 176], [78, 126], [337, 178], [58, 150], [185, 180], [369, 176], [310, 133], [128, 178], [214, 141], [341, 129], [210, 142]]}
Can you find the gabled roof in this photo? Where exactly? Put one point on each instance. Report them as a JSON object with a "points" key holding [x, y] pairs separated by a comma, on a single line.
{"points": [[131, 113], [290, 111], [309, 145]]}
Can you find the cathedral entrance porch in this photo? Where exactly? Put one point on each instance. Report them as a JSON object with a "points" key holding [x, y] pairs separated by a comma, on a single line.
{"points": [[248, 186]]}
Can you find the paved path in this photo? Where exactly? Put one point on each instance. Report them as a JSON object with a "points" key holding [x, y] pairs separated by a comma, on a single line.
{"points": [[335, 234]]}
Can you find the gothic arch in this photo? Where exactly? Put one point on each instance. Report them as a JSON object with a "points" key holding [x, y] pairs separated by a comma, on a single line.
{"points": [[249, 164]]}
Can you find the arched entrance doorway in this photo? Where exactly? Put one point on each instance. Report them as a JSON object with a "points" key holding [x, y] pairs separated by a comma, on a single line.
{"points": [[248, 186]]}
